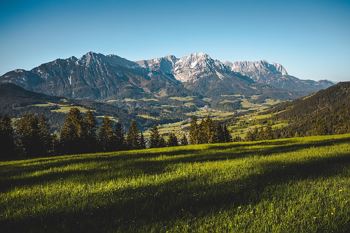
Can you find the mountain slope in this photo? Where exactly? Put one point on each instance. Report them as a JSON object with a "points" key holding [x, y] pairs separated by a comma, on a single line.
{"points": [[109, 77], [95, 76], [15, 101], [277, 76], [325, 112]]}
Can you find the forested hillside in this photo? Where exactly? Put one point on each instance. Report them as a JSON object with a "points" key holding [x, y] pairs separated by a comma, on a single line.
{"points": [[326, 112]]}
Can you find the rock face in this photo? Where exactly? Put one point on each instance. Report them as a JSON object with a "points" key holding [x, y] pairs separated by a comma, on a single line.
{"points": [[276, 76], [102, 77], [202, 75], [95, 76]]}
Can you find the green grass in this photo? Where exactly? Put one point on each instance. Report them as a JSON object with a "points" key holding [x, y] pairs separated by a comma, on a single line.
{"points": [[288, 185], [67, 108], [182, 99], [148, 117]]}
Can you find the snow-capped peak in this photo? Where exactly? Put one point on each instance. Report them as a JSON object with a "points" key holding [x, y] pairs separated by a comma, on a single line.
{"points": [[257, 69], [196, 65]]}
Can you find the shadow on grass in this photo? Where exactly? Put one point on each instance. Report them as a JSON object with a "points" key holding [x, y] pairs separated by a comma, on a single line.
{"points": [[133, 166], [132, 208]]}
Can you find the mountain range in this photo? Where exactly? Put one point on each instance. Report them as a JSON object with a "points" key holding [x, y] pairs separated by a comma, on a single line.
{"points": [[108, 77]]}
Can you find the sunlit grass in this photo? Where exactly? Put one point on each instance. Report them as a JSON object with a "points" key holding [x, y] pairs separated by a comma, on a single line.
{"points": [[285, 185]]}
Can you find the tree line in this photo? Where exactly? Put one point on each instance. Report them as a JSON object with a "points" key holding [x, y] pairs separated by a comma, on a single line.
{"points": [[30, 135]]}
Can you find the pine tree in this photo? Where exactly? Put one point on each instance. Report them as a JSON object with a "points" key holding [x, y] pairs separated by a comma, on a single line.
{"points": [[202, 134], [46, 139], [106, 136], [226, 134], [72, 132], [142, 142], [154, 137], [90, 138], [219, 133], [133, 136], [119, 135], [7, 144], [172, 140], [27, 131], [162, 142], [183, 140], [210, 130], [194, 131]]}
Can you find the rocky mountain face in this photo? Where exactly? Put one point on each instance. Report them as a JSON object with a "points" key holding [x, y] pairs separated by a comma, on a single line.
{"points": [[202, 75], [95, 76], [99, 77], [277, 76]]}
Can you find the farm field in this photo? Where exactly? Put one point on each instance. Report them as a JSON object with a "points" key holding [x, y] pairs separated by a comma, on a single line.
{"points": [[284, 185]]}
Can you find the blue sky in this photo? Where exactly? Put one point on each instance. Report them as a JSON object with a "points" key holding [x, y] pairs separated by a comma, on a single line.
{"points": [[310, 38]]}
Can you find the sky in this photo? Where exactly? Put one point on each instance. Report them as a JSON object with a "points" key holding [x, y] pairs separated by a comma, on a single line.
{"points": [[311, 39]]}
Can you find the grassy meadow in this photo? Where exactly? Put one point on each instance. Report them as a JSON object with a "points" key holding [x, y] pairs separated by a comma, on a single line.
{"points": [[285, 185]]}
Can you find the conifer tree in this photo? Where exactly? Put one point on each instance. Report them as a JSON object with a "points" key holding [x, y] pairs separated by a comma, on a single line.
{"points": [[106, 136], [119, 135], [184, 140], [27, 131], [133, 136], [172, 140], [226, 134], [7, 144], [45, 137], [162, 142], [90, 137], [219, 134], [202, 134], [194, 131], [154, 137], [142, 142], [210, 130], [72, 132]]}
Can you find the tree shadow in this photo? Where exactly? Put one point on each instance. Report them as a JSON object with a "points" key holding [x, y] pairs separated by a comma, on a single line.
{"points": [[137, 207], [141, 163]]}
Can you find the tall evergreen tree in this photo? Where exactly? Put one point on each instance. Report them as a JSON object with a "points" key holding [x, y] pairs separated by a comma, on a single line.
{"points": [[210, 130], [184, 140], [45, 136], [206, 130], [226, 134], [142, 142], [219, 133], [154, 138], [202, 134], [106, 136], [90, 137], [119, 135], [194, 131], [72, 132], [133, 136], [162, 142], [172, 140], [7, 144], [27, 132]]}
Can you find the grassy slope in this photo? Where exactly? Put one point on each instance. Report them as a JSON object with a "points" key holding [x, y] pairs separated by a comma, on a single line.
{"points": [[290, 185]]}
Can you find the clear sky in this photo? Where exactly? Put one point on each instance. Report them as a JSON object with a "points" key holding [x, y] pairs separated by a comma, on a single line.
{"points": [[310, 38]]}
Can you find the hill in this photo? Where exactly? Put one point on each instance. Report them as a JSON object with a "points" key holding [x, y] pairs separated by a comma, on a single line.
{"points": [[15, 101], [289, 185], [325, 112]]}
